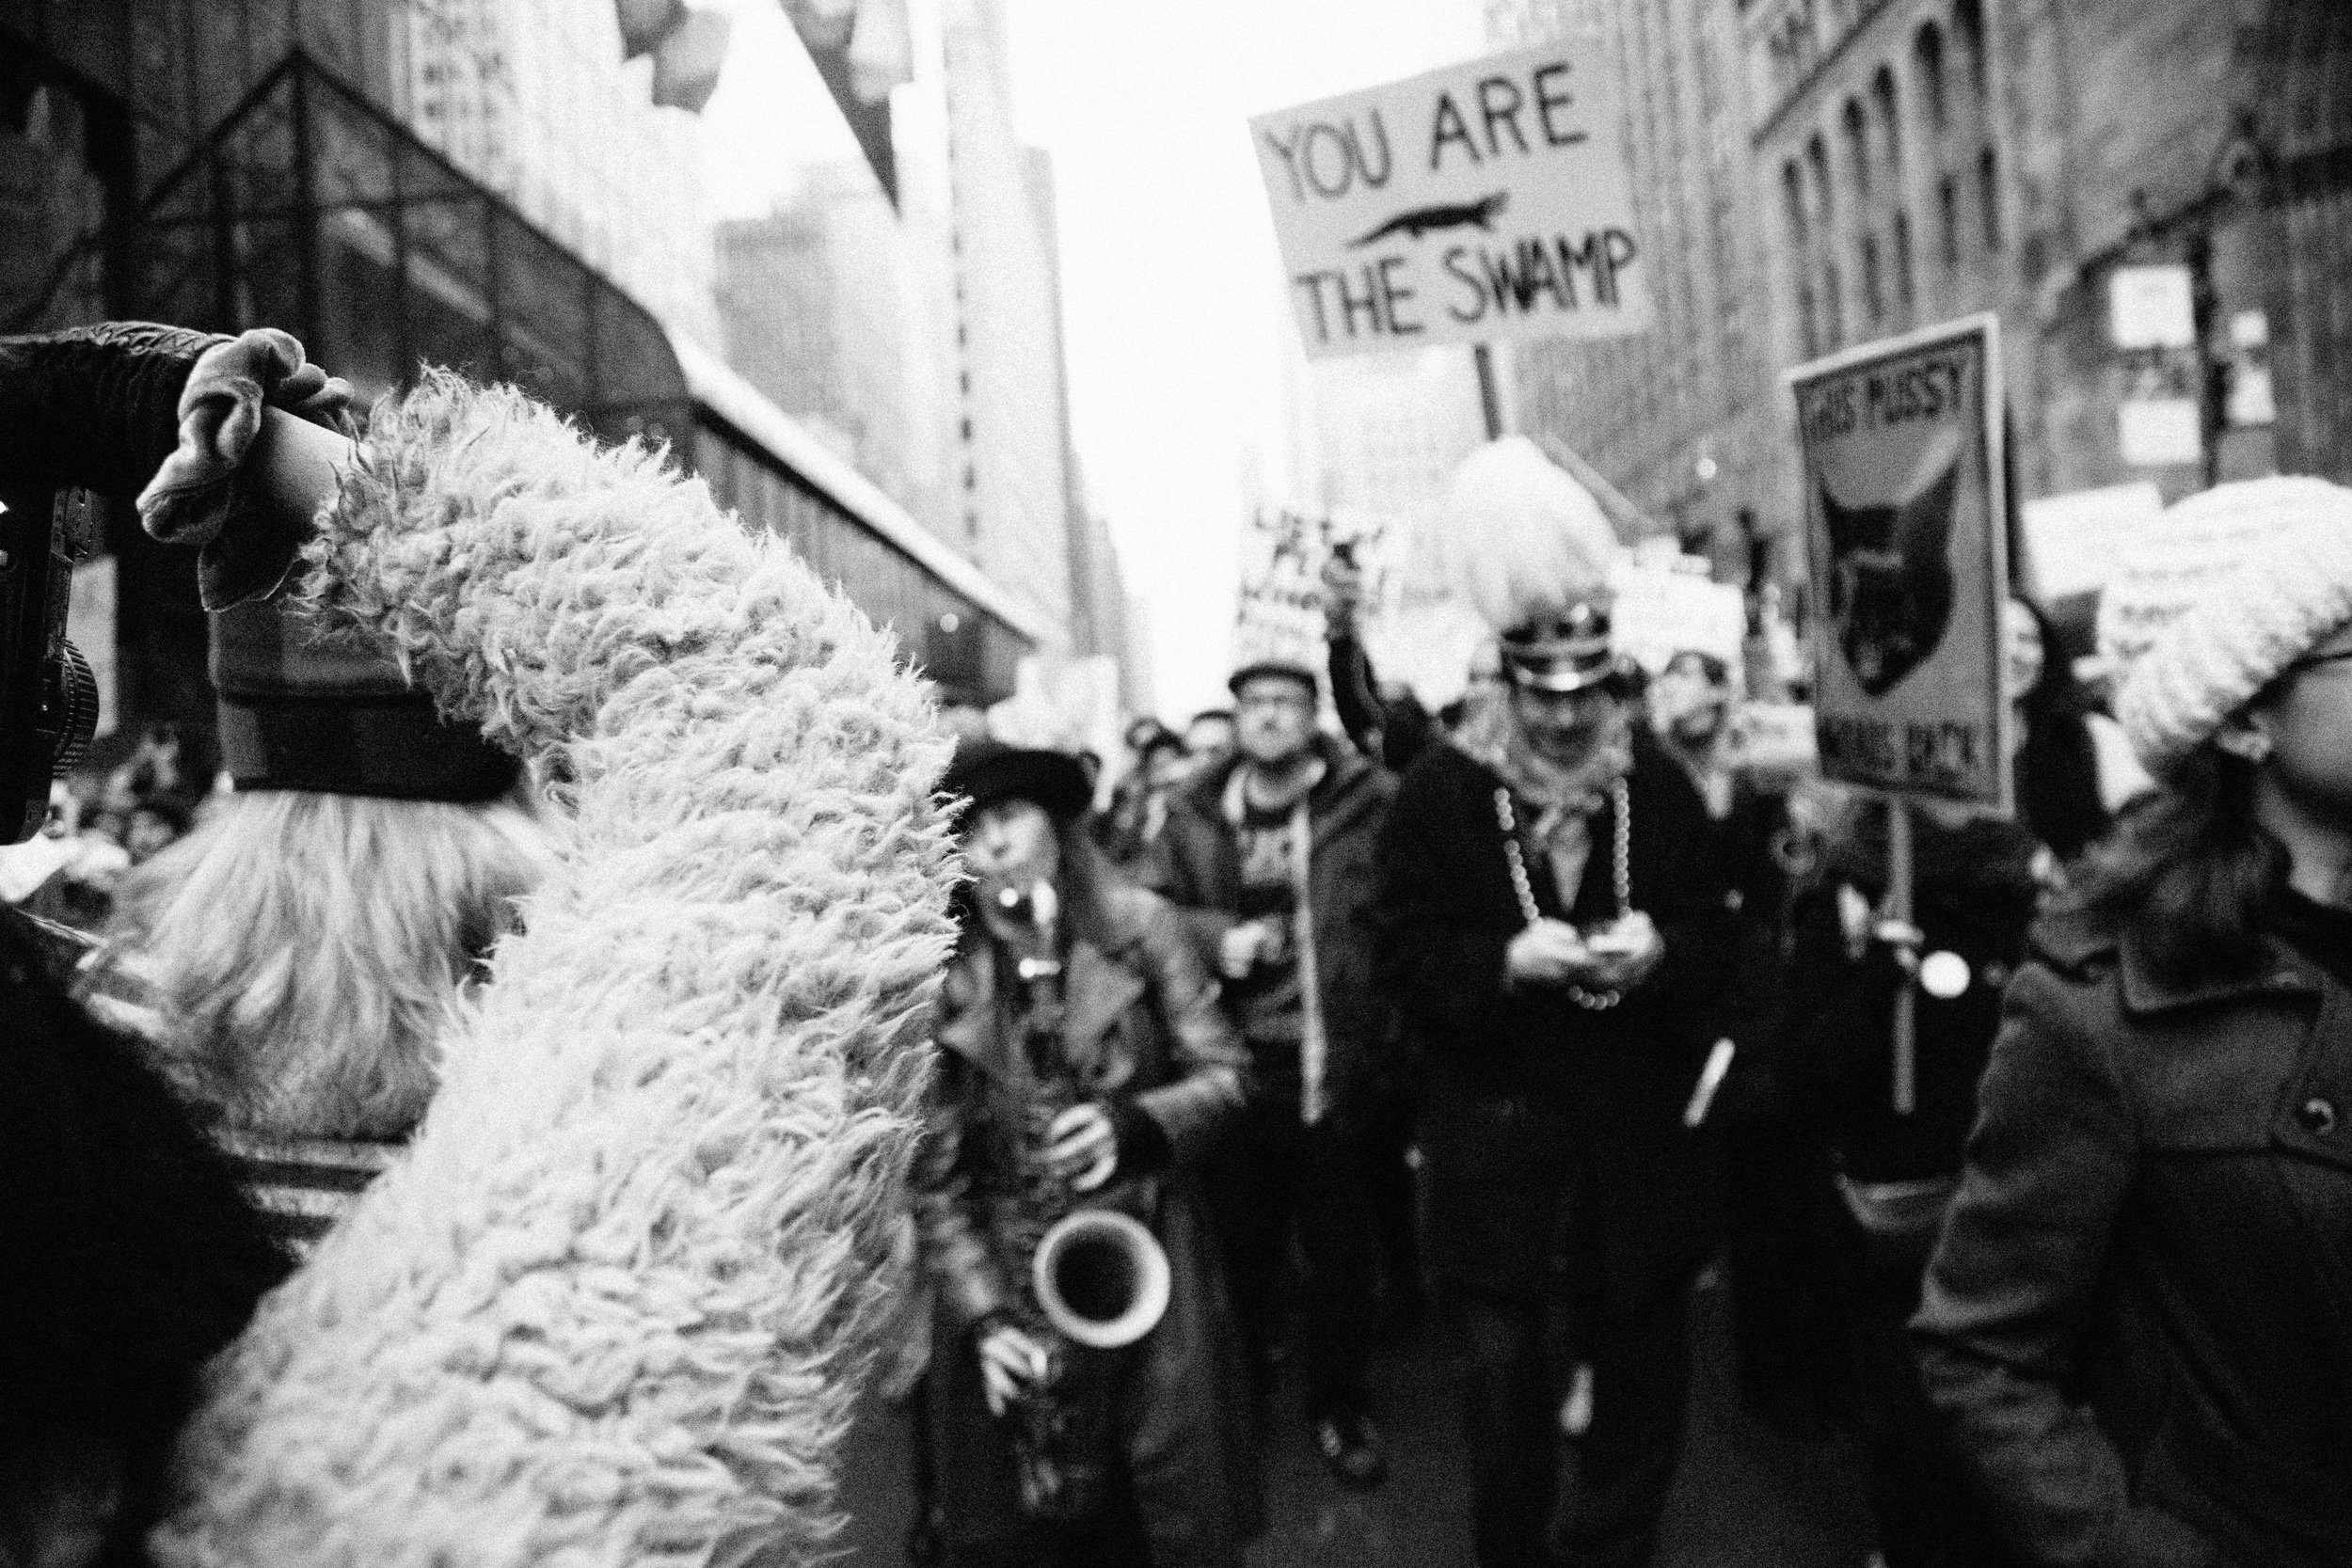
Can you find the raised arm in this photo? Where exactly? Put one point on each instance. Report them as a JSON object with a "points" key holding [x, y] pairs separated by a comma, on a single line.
{"points": [[615, 1305]]}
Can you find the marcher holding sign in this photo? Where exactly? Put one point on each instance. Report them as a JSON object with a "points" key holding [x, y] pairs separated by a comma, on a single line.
{"points": [[1485, 201], [1929, 677]]}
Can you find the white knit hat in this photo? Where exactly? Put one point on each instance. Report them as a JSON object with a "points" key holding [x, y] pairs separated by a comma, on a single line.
{"points": [[2229, 587]]}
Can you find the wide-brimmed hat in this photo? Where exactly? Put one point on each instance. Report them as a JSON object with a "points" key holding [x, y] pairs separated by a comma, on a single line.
{"points": [[987, 771]]}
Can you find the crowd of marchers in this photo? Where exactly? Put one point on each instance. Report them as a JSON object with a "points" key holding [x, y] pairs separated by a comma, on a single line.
{"points": [[602, 1019], [1547, 999]]}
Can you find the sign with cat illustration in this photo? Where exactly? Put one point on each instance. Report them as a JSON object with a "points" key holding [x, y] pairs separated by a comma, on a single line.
{"points": [[1905, 543]]}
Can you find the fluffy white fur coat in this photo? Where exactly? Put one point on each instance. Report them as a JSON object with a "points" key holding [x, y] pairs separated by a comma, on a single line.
{"points": [[614, 1304]]}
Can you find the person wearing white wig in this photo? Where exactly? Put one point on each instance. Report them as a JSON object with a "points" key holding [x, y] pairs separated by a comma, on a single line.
{"points": [[2137, 1324], [1557, 930], [610, 1300]]}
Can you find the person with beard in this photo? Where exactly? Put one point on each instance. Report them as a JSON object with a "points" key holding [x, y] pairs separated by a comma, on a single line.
{"points": [[1557, 928], [1268, 853]]}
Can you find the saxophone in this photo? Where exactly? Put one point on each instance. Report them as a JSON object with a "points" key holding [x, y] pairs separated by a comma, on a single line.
{"points": [[1092, 1280]]}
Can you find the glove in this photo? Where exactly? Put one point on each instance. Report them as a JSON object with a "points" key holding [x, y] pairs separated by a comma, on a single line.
{"points": [[103, 408], [195, 491]]}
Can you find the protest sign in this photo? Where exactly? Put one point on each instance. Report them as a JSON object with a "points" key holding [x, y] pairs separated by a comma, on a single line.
{"points": [[1659, 611], [1905, 543], [1485, 201], [2073, 540]]}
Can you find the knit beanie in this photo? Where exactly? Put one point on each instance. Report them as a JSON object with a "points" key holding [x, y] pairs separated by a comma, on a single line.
{"points": [[2225, 591]]}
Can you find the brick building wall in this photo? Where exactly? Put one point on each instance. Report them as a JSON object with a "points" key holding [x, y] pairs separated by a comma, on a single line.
{"points": [[1683, 418]]}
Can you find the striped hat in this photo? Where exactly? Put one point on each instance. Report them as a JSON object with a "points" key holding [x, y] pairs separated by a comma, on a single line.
{"points": [[302, 707]]}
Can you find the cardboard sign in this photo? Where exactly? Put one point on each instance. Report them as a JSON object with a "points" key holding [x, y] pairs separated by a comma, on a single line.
{"points": [[1905, 543], [1655, 615], [2073, 540], [1483, 203]]}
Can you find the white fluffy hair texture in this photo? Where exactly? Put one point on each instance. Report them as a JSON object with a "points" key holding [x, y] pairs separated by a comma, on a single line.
{"points": [[614, 1304], [1521, 538], [305, 950]]}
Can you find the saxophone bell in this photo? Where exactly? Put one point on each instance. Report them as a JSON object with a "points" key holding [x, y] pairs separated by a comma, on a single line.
{"points": [[1101, 1278]]}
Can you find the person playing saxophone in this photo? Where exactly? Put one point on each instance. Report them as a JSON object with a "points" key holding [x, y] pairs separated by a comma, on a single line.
{"points": [[1084, 1066]]}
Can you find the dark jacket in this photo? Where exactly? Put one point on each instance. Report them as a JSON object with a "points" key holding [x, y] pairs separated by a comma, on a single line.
{"points": [[2138, 1321], [1144, 1032], [1200, 872], [1973, 895], [132, 1259], [1526, 1092]]}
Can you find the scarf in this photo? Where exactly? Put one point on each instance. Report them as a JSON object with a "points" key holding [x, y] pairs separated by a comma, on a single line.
{"points": [[1564, 798]]}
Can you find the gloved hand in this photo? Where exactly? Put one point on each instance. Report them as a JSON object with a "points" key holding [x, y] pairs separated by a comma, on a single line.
{"points": [[106, 408], [196, 491]]}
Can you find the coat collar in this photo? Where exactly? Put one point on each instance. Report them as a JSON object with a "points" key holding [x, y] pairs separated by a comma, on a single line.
{"points": [[2314, 1117], [2146, 991], [2073, 941], [1345, 774], [1101, 985]]}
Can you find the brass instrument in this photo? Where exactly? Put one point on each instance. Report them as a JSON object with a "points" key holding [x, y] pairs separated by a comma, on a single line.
{"points": [[1096, 1279]]}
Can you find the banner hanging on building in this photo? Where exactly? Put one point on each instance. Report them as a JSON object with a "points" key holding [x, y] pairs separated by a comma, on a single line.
{"points": [[1906, 545], [1485, 201]]}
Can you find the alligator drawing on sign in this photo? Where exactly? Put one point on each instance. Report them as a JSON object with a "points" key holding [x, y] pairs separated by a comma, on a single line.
{"points": [[1420, 220], [1890, 587]]}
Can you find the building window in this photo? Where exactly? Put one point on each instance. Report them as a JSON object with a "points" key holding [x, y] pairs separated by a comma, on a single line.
{"points": [[1904, 297], [1832, 308], [1873, 294], [1989, 194], [1816, 161], [1947, 198], [1890, 123], [1927, 49], [1858, 149], [1792, 197], [1968, 26]]}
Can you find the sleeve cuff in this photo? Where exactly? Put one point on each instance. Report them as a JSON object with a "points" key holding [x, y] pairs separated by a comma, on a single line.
{"points": [[1143, 1143]]}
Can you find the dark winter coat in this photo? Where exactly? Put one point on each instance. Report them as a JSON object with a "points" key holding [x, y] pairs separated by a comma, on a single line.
{"points": [[2138, 1321], [1145, 1033], [1200, 872], [1527, 1094], [130, 1258]]}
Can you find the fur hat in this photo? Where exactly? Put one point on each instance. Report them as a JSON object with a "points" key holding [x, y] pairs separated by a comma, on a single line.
{"points": [[1531, 549], [2232, 586], [986, 770]]}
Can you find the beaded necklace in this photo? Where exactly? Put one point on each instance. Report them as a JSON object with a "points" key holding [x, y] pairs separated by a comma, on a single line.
{"points": [[1620, 870]]}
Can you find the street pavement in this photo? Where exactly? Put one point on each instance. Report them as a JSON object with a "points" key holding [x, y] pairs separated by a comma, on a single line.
{"points": [[1747, 1496]]}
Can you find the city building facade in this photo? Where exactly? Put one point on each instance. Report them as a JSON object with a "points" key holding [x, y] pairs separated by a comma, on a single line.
{"points": [[833, 306], [1683, 418], [224, 164], [1011, 407], [1932, 158]]}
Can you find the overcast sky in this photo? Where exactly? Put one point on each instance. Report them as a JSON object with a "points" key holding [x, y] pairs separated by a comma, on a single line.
{"points": [[1172, 294]]}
